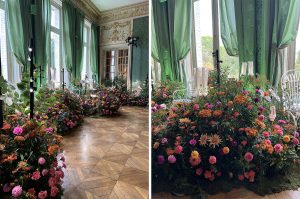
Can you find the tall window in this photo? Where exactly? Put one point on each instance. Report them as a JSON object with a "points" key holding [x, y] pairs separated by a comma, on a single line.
{"points": [[3, 41], [10, 68], [55, 62], [204, 37], [123, 63], [86, 68], [110, 65]]}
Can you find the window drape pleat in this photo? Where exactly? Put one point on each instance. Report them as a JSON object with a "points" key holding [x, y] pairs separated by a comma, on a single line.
{"points": [[95, 52], [73, 25], [264, 28], [20, 32], [172, 22]]}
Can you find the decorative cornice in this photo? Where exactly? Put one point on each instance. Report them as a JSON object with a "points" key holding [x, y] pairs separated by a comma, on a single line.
{"points": [[131, 11], [89, 9]]}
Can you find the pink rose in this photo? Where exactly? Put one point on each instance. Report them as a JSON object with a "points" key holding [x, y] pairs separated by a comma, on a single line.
{"points": [[248, 157], [244, 142], [36, 175], [51, 182], [54, 191], [193, 142], [42, 161], [207, 174], [241, 177], [212, 160], [281, 121], [16, 191], [261, 117], [278, 148], [42, 194]]}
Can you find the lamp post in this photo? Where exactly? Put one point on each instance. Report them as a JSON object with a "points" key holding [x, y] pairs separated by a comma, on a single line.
{"points": [[131, 41], [30, 58]]}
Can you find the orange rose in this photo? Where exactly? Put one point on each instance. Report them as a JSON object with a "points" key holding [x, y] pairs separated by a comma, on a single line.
{"points": [[19, 139], [226, 150], [251, 132], [240, 99], [230, 104], [286, 138]]}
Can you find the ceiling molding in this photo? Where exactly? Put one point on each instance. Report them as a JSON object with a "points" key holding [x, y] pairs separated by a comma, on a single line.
{"points": [[130, 11], [89, 9]]}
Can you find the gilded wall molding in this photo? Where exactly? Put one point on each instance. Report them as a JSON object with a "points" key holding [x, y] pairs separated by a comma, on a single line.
{"points": [[115, 32], [126, 12]]}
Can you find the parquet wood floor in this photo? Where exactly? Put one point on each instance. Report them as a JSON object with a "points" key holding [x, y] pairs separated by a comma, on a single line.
{"points": [[238, 194], [108, 158]]}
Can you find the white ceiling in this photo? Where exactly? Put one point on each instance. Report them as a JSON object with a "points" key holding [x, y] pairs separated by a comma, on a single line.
{"points": [[103, 5]]}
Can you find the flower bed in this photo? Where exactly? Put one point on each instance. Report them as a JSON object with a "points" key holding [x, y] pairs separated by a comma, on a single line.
{"points": [[29, 165], [229, 135], [109, 103]]}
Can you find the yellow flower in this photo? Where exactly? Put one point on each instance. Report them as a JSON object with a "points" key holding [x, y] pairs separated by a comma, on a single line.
{"points": [[194, 154], [226, 150], [156, 145], [286, 138]]}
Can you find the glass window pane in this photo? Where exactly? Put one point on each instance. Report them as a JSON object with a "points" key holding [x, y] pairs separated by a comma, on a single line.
{"points": [[85, 33], [204, 33], [84, 71], [55, 57], [4, 56], [55, 17], [297, 65]]}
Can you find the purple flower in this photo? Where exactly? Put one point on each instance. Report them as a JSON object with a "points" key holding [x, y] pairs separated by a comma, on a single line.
{"points": [[164, 141], [193, 142], [18, 130], [208, 106], [171, 159], [160, 159], [245, 92], [256, 100], [219, 103], [49, 130], [261, 108], [296, 134]]}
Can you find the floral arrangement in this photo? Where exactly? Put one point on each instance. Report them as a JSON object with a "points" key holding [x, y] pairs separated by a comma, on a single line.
{"points": [[234, 134], [163, 94], [30, 164], [89, 105], [109, 103]]}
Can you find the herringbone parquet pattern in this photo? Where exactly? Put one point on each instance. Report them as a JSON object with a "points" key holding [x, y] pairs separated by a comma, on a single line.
{"points": [[108, 157]]}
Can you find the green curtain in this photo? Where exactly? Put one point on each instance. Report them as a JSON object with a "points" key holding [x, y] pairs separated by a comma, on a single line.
{"points": [[95, 52], [42, 37], [18, 28], [73, 24], [286, 20], [228, 27], [172, 32], [264, 28]]}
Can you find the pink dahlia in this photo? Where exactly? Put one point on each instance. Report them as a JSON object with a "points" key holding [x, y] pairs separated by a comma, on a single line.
{"points": [[171, 159], [212, 160], [36, 175], [248, 157], [278, 148], [18, 130], [41, 161], [16, 191], [42, 194]]}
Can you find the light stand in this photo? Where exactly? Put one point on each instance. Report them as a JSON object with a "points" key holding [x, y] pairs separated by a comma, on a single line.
{"points": [[63, 78], [132, 41], [216, 55]]}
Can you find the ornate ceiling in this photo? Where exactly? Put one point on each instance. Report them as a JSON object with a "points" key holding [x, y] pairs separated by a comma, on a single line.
{"points": [[104, 5]]}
